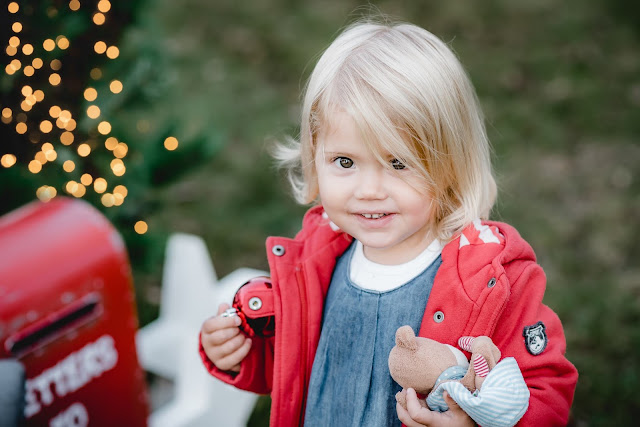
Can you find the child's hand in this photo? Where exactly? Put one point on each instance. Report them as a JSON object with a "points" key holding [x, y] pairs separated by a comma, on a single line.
{"points": [[222, 341], [417, 415]]}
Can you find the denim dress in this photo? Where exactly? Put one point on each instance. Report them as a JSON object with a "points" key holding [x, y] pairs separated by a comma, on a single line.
{"points": [[350, 382]]}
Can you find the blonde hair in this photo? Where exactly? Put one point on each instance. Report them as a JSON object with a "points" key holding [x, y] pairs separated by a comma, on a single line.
{"points": [[411, 98]]}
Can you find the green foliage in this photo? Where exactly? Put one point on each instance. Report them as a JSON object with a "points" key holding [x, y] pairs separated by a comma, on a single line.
{"points": [[142, 116]]}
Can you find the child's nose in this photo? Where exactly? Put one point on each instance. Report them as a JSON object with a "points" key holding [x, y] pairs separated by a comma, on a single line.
{"points": [[371, 185]]}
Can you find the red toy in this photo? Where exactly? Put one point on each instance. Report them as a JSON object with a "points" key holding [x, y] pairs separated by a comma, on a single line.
{"points": [[253, 303]]}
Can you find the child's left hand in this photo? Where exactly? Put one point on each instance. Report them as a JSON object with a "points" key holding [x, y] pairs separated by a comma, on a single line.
{"points": [[417, 415]]}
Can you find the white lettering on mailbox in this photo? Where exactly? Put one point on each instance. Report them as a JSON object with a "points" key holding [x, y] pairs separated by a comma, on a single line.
{"points": [[70, 374], [75, 415]]}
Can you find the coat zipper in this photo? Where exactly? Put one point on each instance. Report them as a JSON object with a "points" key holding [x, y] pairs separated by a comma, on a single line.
{"points": [[303, 350]]}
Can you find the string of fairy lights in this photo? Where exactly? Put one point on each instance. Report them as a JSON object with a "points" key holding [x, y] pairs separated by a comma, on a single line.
{"points": [[60, 125]]}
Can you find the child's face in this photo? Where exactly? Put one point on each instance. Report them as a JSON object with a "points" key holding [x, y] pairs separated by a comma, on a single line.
{"points": [[381, 208]]}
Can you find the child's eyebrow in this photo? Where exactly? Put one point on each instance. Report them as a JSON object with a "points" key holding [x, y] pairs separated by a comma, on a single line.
{"points": [[333, 150], [338, 153]]}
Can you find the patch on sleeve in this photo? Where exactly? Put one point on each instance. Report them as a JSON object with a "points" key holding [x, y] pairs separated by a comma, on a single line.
{"points": [[478, 233], [535, 338]]}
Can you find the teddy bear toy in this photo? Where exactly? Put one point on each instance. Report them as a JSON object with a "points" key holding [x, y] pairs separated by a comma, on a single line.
{"points": [[491, 391]]}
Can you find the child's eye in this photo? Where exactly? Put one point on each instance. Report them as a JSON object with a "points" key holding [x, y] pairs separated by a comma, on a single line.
{"points": [[344, 162], [397, 164]]}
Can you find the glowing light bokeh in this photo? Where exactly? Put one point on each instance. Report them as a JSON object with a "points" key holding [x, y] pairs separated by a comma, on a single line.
{"points": [[113, 52], [25, 58], [108, 200], [104, 128], [66, 138], [8, 160], [111, 143], [171, 143], [35, 166], [99, 18], [55, 79], [90, 94], [46, 126], [49, 45], [46, 193], [15, 64], [115, 86], [40, 157], [104, 6], [100, 47], [121, 189], [141, 227], [63, 42], [51, 155], [86, 179], [93, 111], [121, 150], [84, 150], [100, 185]]}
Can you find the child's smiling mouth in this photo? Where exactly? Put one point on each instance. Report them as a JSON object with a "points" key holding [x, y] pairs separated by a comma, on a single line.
{"points": [[374, 215]]}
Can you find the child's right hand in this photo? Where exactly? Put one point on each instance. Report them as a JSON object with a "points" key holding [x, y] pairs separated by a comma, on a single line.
{"points": [[419, 415], [223, 342]]}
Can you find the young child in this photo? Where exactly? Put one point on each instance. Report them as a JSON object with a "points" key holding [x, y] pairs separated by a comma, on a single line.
{"points": [[394, 155]]}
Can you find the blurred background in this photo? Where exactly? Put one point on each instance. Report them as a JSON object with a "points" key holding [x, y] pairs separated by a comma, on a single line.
{"points": [[160, 114]]}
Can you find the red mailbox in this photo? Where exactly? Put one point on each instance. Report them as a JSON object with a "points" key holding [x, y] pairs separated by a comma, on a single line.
{"points": [[67, 312]]}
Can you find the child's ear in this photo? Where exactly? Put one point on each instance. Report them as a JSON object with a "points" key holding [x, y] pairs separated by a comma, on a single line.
{"points": [[406, 338]]}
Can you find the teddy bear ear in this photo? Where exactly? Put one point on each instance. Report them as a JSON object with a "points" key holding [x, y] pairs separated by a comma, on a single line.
{"points": [[406, 338]]}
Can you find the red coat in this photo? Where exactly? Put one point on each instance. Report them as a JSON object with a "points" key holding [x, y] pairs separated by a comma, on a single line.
{"points": [[488, 284]]}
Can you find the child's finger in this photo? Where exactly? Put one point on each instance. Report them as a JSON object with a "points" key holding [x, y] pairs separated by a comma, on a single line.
{"points": [[216, 353], [220, 336], [416, 411], [406, 419], [231, 362], [215, 323], [456, 411], [231, 345], [222, 308], [452, 404]]}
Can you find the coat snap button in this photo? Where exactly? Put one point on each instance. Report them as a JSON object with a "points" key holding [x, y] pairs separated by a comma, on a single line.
{"points": [[438, 317], [491, 283], [255, 303], [278, 250]]}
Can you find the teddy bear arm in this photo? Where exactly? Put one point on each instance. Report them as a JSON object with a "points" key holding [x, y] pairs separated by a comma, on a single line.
{"points": [[485, 347]]}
